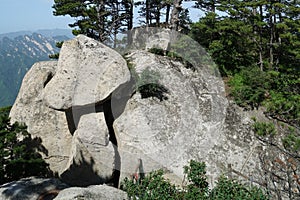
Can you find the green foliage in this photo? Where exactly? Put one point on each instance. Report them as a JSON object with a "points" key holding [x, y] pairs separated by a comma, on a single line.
{"points": [[198, 185], [18, 151], [231, 190], [264, 128], [249, 87], [96, 19], [227, 42], [157, 51], [292, 141], [56, 55], [284, 101], [147, 83], [154, 186]]}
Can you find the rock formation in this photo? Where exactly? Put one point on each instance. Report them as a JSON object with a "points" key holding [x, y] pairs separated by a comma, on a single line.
{"points": [[95, 192], [46, 189], [99, 126], [84, 90], [189, 123], [87, 73], [63, 104], [43, 122]]}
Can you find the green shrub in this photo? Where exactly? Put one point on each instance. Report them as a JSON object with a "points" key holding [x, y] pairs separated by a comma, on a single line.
{"points": [[147, 83], [157, 51], [154, 186], [249, 87], [198, 185], [264, 128], [284, 106], [292, 141], [18, 157], [233, 190]]}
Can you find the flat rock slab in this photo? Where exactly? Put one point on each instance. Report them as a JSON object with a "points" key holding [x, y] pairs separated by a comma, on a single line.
{"points": [[95, 192], [30, 188]]}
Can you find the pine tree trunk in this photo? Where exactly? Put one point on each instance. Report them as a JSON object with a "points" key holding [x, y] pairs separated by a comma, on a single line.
{"points": [[175, 14], [157, 17], [271, 51], [213, 7], [168, 9], [101, 24], [261, 63], [147, 12]]}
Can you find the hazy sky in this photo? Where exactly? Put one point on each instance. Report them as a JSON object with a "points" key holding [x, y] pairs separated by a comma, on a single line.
{"points": [[19, 15], [24, 15]]}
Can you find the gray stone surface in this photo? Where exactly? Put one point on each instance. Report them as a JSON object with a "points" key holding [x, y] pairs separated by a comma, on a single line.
{"points": [[88, 72], [29, 188], [95, 192], [92, 157], [189, 124], [160, 40], [43, 189], [47, 124]]}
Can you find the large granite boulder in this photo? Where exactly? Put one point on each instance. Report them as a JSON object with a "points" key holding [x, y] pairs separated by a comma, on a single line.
{"points": [[47, 124], [186, 121], [88, 72]]}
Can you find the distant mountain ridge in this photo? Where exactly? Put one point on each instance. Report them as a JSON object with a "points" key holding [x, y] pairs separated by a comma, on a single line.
{"points": [[44, 32], [18, 52]]}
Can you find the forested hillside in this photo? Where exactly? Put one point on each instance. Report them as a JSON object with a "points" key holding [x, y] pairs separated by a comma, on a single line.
{"points": [[17, 55], [256, 45]]}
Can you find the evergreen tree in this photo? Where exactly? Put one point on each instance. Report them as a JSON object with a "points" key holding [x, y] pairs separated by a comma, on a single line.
{"points": [[177, 8], [18, 151], [97, 19]]}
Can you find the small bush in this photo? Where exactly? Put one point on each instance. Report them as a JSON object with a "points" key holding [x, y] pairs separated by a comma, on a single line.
{"points": [[292, 141], [231, 189], [264, 128], [157, 51], [154, 186], [249, 87], [148, 85], [284, 107]]}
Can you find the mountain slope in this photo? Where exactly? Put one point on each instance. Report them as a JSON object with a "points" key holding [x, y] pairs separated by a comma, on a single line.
{"points": [[17, 56]]}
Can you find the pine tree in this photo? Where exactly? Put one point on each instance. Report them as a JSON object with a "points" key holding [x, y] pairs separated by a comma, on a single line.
{"points": [[98, 19], [18, 151]]}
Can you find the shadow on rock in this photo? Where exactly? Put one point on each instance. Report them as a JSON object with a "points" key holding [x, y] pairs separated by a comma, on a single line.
{"points": [[30, 188], [85, 170]]}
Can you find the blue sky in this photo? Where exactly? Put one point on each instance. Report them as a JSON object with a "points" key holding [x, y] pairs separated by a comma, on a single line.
{"points": [[31, 15], [20, 15]]}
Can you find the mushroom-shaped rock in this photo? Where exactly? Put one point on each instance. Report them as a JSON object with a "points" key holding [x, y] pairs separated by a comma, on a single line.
{"points": [[88, 72]]}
